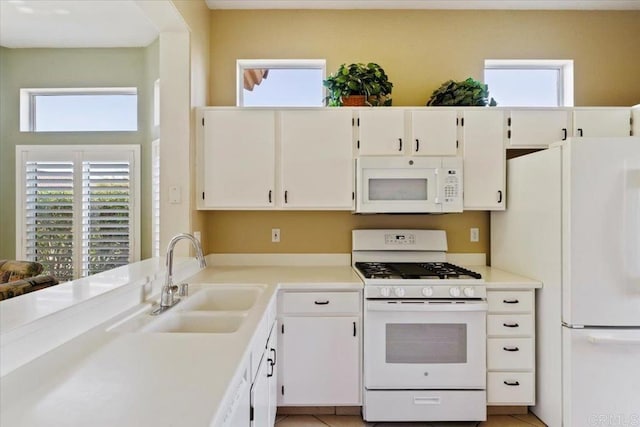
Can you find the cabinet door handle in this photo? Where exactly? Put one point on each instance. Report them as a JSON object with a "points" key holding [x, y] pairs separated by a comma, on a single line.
{"points": [[286, 193], [400, 145], [580, 132], [273, 361], [417, 145], [510, 348], [512, 383], [354, 329], [510, 301], [499, 196], [510, 325], [564, 134], [321, 302], [270, 362], [270, 196]]}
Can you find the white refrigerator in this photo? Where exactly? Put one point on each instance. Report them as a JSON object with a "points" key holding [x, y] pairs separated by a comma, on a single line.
{"points": [[572, 221]]}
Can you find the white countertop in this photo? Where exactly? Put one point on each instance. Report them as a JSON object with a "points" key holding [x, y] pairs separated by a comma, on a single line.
{"points": [[124, 378], [148, 379]]}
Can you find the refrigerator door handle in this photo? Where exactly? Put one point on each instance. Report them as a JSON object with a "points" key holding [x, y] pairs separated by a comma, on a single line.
{"points": [[603, 339]]}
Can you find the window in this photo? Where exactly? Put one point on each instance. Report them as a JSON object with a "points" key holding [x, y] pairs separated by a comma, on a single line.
{"points": [[77, 207], [78, 109], [530, 83], [280, 83]]}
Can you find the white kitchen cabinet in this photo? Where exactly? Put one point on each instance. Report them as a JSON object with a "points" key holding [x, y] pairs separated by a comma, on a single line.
{"points": [[239, 168], [317, 159], [484, 159], [431, 132], [511, 347], [381, 132], [238, 159], [537, 127], [601, 122], [319, 349], [434, 132], [264, 386]]}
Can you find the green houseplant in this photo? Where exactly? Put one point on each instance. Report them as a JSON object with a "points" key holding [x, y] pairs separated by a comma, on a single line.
{"points": [[369, 81], [468, 92]]}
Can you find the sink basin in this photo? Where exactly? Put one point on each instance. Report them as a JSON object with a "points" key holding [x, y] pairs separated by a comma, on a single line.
{"points": [[226, 298], [203, 323]]}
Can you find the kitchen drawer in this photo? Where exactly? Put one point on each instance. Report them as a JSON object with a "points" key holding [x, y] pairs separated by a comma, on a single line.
{"points": [[511, 388], [510, 325], [321, 302], [506, 354], [510, 301]]}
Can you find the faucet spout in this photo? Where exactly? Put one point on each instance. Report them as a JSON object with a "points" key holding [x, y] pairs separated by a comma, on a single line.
{"points": [[167, 299]]}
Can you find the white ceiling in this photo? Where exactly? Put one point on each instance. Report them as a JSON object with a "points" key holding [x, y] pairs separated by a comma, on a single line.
{"points": [[74, 23], [428, 4]]}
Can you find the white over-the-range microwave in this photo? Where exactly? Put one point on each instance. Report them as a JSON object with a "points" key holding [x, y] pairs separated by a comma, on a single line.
{"points": [[409, 184]]}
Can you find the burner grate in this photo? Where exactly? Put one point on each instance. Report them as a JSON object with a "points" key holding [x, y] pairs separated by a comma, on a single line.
{"points": [[410, 270]]}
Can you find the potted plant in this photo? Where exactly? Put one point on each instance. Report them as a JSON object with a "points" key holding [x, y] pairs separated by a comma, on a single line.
{"points": [[468, 92], [368, 82]]}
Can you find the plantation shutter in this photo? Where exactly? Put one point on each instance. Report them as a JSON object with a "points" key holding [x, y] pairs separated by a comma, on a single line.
{"points": [[106, 214], [49, 216], [80, 211], [155, 191]]}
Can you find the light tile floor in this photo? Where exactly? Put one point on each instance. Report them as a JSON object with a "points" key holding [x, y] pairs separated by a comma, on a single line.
{"points": [[527, 420]]}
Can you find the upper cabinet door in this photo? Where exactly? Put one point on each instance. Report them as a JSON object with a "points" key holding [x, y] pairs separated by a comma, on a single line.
{"points": [[602, 122], [381, 132], [239, 159], [317, 159], [484, 159], [537, 128], [434, 133]]}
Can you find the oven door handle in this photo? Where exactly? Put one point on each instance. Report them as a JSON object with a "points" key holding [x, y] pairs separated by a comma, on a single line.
{"points": [[425, 306]]}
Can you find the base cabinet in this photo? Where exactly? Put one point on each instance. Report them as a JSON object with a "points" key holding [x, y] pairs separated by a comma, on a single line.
{"points": [[510, 348], [263, 390], [319, 349]]}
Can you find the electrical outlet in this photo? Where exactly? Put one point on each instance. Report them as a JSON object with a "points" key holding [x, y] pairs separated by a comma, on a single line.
{"points": [[275, 235], [474, 234]]}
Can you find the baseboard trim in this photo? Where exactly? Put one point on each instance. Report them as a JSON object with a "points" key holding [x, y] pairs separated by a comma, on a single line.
{"points": [[507, 410]]}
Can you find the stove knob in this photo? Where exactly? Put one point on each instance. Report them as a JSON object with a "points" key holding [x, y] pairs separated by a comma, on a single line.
{"points": [[385, 292], [469, 292], [399, 292], [427, 292], [454, 292]]}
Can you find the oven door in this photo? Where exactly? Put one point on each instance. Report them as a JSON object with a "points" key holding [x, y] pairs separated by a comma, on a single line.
{"points": [[419, 344]]}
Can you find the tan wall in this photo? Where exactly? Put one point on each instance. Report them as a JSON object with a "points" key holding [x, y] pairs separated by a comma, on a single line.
{"points": [[419, 50]]}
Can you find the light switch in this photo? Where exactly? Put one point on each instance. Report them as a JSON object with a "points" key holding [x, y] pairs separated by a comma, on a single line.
{"points": [[175, 195]]}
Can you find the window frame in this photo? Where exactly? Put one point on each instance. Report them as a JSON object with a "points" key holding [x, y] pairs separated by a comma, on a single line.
{"points": [[77, 154], [563, 66], [243, 64], [28, 96]]}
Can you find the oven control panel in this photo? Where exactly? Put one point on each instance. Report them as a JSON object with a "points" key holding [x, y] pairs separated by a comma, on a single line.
{"points": [[400, 239], [462, 291]]}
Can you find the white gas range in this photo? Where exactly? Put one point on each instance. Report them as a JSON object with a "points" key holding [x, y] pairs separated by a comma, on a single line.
{"points": [[424, 329]]}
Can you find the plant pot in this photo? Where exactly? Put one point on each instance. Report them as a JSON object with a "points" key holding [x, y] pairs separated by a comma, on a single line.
{"points": [[354, 101]]}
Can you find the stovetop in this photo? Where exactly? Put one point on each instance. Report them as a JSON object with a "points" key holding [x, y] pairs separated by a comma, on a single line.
{"points": [[414, 270]]}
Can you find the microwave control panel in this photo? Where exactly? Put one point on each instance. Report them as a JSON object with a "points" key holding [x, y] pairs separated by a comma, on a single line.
{"points": [[451, 186]]}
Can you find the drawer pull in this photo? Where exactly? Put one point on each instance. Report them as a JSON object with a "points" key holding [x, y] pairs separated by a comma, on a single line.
{"points": [[512, 383], [510, 301], [510, 325], [321, 302], [510, 348]]}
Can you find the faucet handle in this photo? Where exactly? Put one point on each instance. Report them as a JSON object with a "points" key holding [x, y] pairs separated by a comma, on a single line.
{"points": [[183, 289]]}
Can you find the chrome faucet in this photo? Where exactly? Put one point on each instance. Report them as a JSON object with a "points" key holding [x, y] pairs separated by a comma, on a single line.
{"points": [[167, 299]]}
